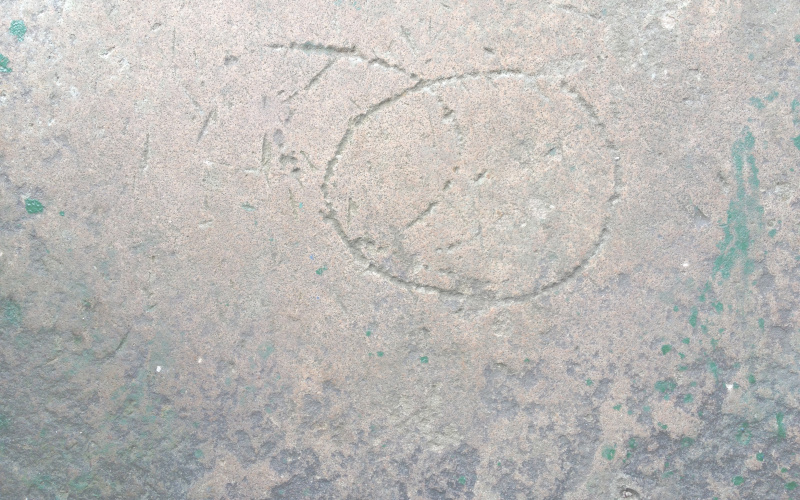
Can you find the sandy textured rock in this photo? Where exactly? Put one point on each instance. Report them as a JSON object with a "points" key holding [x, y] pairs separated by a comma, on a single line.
{"points": [[400, 250]]}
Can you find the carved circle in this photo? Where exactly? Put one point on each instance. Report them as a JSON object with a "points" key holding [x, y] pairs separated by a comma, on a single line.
{"points": [[495, 185]]}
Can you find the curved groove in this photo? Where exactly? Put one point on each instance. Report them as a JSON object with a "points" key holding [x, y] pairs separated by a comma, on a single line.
{"points": [[331, 216]]}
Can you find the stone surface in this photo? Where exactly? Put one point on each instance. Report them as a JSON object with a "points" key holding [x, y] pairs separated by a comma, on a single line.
{"points": [[400, 250]]}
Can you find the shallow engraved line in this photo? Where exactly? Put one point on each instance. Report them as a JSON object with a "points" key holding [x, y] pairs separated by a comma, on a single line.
{"points": [[330, 214]]}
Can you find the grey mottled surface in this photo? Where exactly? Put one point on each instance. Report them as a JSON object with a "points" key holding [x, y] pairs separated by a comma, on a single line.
{"points": [[364, 249]]}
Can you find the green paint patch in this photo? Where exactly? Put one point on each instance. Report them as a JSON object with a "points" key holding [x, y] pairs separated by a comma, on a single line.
{"points": [[265, 349], [751, 378], [686, 341], [693, 317], [33, 206], [18, 29], [757, 103], [793, 485], [380, 354], [772, 96], [4, 64], [712, 367], [462, 480], [797, 38], [589, 382], [772, 233], [526, 360], [662, 426], [675, 308], [321, 270], [718, 307], [781, 428], [617, 407], [5, 422], [198, 454], [666, 387], [682, 355], [369, 333], [760, 457], [12, 312], [423, 360], [688, 398], [761, 323], [248, 207], [609, 452], [61, 213], [686, 441], [796, 140], [744, 212], [632, 443], [665, 349], [738, 480]]}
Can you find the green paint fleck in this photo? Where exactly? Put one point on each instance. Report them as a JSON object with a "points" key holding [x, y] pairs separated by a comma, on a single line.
{"points": [[18, 29], [5, 422], [772, 233], [751, 378], [248, 207], [675, 308], [666, 386], [738, 480], [33, 206], [198, 454], [744, 435], [686, 341], [781, 428], [61, 213], [617, 407], [760, 457], [742, 211], [795, 103], [462, 480], [761, 323], [797, 38], [784, 470], [12, 313], [589, 382], [682, 355], [380, 354], [4, 64], [265, 349], [527, 360], [686, 441], [712, 367], [423, 359], [704, 329], [682, 368], [757, 103], [646, 409], [663, 426], [688, 398], [321, 270], [714, 343], [796, 140], [693, 317], [632, 443], [609, 452], [665, 349], [369, 333], [772, 96], [793, 485], [718, 307]]}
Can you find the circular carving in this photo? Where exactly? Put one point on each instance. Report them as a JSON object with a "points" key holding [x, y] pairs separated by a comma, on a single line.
{"points": [[492, 185]]}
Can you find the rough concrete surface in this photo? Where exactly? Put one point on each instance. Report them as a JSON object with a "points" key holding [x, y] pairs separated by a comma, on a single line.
{"points": [[373, 249]]}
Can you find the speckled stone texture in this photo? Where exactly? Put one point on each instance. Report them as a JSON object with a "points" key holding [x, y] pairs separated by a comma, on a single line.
{"points": [[368, 249]]}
